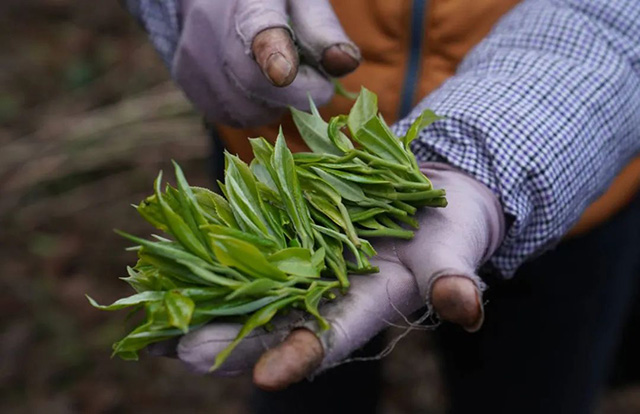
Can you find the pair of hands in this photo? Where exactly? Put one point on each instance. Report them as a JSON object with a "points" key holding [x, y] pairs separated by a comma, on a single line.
{"points": [[437, 268], [238, 62]]}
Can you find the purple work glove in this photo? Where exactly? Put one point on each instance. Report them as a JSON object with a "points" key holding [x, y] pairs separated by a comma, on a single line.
{"points": [[437, 267], [237, 61]]}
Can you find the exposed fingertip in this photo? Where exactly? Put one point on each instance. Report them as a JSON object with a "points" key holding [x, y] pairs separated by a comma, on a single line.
{"points": [[457, 300], [290, 362], [340, 59], [276, 55], [279, 70]]}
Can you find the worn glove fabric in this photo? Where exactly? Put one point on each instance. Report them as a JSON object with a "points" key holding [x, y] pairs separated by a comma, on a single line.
{"points": [[453, 241], [214, 65]]}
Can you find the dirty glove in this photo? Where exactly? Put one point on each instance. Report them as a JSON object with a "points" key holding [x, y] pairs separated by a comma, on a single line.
{"points": [[437, 268], [237, 61]]}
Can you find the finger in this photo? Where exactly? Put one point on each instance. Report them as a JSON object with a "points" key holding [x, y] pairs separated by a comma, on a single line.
{"points": [[373, 303], [308, 82], [259, 101], [291, 361], [263, 27], [460, 239], [456, 299], [321, 37], [276, 55], [339, 60], [198, 349]]}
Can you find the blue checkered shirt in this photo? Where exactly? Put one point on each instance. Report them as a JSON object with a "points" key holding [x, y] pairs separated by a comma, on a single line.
{"points": [[545, 111]]}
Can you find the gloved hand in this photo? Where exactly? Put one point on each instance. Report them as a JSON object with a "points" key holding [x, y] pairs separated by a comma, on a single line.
{"points": [[236, 59], [437, 268]]}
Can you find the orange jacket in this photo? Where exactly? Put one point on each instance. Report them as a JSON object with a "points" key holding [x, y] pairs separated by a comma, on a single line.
{"points": [[402, 71]]}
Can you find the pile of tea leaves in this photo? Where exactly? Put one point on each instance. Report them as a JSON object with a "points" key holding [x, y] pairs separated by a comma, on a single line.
{"points": [[285, 233]]}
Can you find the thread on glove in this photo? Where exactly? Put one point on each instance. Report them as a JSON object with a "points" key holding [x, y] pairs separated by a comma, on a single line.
{"points": [[418, 326], [389, 348], [411, 326]]}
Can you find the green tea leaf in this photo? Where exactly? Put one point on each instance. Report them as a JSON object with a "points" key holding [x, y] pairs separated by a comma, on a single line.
{"points": [[340, 238], [346, 189], [334, 258], [338, 214], [263, 152], [209, 275], [133, 300], [325, 207], [290, 191], [426, 118], [295, 261], [375, 138], [180, 309], [179, 275], [359, 214], [265, 244], [312, 183], [140, 338], [340, 90], [384, 191], [313, 130], [178, 228], [356, 178], [313, 108], [233, 307], [205, 202], [258, 287], [314, 158], [336, 136], [245, 199], [198, 294], [365, 108], [317, 260], [223, 209], [145, 277], [245, 257], [150, 210], [169, 250], [193, 214], [262, 174], [311, 302]]}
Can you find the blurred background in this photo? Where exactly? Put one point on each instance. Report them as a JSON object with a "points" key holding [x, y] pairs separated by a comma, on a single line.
{"points": [[88, 116]]}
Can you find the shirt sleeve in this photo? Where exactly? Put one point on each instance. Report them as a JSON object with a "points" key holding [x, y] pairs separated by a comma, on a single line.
{"points": [[160, 19], [545, 111]]}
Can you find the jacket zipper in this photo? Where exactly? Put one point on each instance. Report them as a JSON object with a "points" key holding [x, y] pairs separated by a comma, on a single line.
{"points": [[418, 11]]}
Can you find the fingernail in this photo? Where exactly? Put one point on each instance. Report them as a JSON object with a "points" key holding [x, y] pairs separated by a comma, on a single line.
{"points": [[340, 59], [278, 69], [350, 50], [475, 327]]}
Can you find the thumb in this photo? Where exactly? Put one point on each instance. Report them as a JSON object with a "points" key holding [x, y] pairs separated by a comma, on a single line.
{"points": [[198, 349], [321, 37], [458, 299], [263, 28], [452, 243], [372, 303]]}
